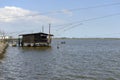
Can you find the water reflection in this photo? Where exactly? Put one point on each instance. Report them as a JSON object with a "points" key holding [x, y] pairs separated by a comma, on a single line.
{"points": [[36, 48], [28, 63]]}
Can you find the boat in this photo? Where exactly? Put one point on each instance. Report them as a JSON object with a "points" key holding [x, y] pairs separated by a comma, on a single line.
{"points": [[13, 44]]}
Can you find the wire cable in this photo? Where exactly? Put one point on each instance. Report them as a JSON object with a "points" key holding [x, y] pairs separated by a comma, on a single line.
{"points": [[91, 19]]}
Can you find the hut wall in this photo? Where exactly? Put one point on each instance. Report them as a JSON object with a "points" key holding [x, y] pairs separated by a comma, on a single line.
{"points": [[40, 38], [28, 39], [35, 38]]}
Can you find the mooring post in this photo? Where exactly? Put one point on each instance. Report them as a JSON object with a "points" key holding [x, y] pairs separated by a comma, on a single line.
{"points": [[19, 41]]}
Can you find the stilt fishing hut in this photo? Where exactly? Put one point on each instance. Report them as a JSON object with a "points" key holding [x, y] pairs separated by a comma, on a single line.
{"points": [[35, 39]]}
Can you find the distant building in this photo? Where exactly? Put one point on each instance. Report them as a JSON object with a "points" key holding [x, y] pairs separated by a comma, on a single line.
{"points": [[5, 37], [35, 39]]}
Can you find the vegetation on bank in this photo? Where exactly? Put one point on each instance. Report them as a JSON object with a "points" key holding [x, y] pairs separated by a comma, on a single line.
{"points": [[3, 46]]}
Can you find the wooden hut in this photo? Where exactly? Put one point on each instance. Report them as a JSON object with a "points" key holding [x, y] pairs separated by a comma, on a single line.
{"points": [[35, 39]]}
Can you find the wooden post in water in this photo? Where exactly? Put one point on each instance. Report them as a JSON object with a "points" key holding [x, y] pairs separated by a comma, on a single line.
{"points": [[19, 43]]}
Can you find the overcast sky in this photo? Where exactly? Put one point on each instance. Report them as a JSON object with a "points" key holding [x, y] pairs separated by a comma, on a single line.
{"points": [[68, 18]]}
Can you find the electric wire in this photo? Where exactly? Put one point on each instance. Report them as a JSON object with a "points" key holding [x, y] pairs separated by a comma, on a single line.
{"points": [[86, 20]]}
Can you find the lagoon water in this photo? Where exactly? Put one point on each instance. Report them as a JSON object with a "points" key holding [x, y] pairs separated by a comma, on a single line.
{"points": [[77, 59]]}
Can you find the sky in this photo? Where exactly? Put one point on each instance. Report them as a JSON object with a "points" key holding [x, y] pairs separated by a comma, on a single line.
{"points": [[68, 18]]}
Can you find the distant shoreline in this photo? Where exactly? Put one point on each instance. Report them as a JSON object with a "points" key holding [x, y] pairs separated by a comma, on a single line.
{"points": [[90, 38], [82, 38]]}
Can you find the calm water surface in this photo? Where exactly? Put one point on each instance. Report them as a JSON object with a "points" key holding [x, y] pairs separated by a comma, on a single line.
{"points": [[76, 60]]}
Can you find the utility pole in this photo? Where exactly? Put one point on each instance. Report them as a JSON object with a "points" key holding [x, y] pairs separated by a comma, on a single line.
{"points": [[43, 29], [49, 28], [49, 38], [3, 36]]}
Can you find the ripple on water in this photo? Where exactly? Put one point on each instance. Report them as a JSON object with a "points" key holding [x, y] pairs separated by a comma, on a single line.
{"points": [[75, 60]]}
